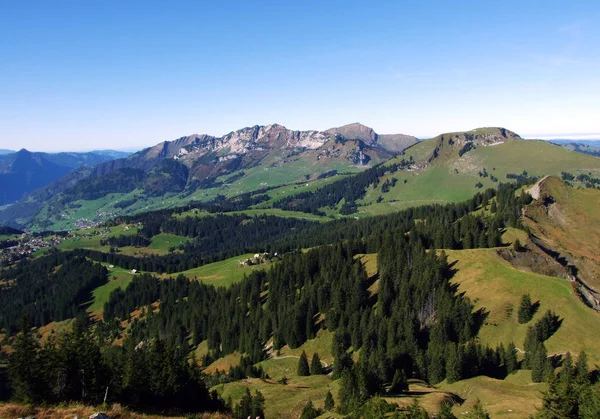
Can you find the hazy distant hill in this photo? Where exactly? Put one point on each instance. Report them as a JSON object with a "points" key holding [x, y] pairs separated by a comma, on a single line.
{"points": [[25, 171], [586, 147], [4, 151], [593, 143]]}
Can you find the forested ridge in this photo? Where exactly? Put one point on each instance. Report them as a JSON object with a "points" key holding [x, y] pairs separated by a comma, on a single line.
{"points": [[449, 226], [415, 325], [51, 288], [349, 189]]}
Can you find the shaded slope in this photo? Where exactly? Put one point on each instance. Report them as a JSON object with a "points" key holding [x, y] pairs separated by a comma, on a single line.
{"points": [[566, 221]]}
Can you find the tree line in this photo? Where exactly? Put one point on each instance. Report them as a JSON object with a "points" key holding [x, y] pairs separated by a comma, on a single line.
{"points": [[50, 288]]}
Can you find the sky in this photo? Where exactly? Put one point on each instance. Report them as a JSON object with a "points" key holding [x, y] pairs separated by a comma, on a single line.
{"points": [[82, 75]]}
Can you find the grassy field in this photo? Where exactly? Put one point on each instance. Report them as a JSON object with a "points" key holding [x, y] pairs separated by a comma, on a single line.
{"points": [[256, 212], [515, 396], [223, 364], [451, 178], [284, 400], [90, 238], [117, 278], [491, 283], [223, 273], [162, 242]]}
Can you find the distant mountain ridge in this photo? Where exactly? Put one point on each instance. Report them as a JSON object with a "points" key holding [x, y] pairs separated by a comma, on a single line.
{"points": [[390, 142], [586, 147], [201, 161], [23, 171]]}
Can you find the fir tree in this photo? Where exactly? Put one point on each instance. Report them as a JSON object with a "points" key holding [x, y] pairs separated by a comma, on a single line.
{"points": [[526, 309], [399, 383], [329, 402], [258, 405], [510, 358], [303, 369], [446, 411], [582, 373], [478, 412], [23, 366], [540, 364], [350, 398], [453, 364], [244, 407], [415, 411], [309, 411], [316, 368]]}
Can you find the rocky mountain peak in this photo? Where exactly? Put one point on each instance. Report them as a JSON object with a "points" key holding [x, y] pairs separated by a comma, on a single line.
{"points": [[355, 131]]}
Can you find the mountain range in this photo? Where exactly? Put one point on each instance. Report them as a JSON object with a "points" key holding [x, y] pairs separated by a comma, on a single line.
{"points": [[334, 173], [24, 171], [261, 155]]}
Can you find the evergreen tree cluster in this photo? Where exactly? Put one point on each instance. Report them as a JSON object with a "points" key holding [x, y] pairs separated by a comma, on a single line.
{"points": [[526, 309], [536, 355], [250, 406], [349, 189], [151, 375], [51, 288], [215, 238], [417, 326], [571, 393]]}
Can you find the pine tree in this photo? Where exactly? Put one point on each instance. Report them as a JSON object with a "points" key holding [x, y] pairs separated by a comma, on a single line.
{"points": [[526, 309], [258, 405], [315, 365], [23, 366], [478, 412], [582, 373], [309, 411], [540, 363], [399, 383], [329, 402], [446, 411], [244, 408], [415, 411], [453, 364], [510, 358], [303, 369], [349, 394]]}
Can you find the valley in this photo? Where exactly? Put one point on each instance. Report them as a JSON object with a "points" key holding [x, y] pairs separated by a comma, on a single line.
{"points": [[412, 267]]}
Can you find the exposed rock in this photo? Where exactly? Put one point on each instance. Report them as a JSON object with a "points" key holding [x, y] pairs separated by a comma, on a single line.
{"points": [[99, 415]]}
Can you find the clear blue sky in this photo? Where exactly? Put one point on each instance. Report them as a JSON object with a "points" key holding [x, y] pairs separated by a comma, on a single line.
{"points": [[120, 74]]}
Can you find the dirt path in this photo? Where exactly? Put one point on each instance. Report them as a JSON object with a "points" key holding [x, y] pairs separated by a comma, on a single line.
{"points": [[276, 358]]}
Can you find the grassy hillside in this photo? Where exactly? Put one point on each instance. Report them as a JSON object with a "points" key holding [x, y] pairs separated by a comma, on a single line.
{"points": [[567, 221], [222, 273], [515, 396], [452, 178], [117, 278], [493, 284]]}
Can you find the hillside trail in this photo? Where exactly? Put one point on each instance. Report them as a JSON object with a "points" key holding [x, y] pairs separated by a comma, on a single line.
{"points": [[521, 351], [274, 356]]}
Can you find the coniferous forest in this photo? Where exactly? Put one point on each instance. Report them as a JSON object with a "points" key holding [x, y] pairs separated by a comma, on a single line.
{"points": [[415, 326]]}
